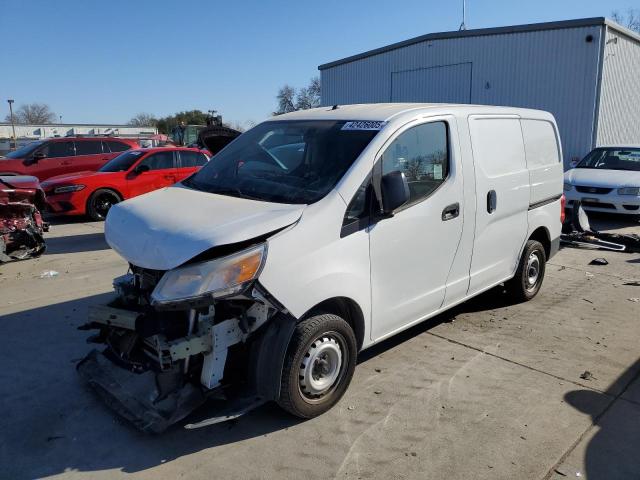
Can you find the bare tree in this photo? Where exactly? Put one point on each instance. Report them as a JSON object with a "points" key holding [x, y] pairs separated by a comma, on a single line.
{"points": [[631, 20], [285, 98], [309, 97], [143, 120], [33, 114]]}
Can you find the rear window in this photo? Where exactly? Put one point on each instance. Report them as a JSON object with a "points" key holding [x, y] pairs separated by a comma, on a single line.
{"points": [[192, 159], [88, 147], [114, 146]]}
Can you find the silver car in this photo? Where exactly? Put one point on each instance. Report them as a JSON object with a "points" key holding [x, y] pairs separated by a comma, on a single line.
{"points": [[606, 180]]}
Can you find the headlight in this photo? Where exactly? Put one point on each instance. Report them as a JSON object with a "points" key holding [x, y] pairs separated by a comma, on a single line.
{"points": [[68, 188], [222, 277], [567, 187], [629, 191]]}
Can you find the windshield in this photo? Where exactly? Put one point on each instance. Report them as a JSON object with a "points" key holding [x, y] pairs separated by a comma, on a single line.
{"points": [[122, 162], [24, 151], [612, 159], [286, 161]]}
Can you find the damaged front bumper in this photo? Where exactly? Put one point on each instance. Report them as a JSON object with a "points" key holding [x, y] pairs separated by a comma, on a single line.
{"points": [[158, 366], [21, 224], [138, 397]]}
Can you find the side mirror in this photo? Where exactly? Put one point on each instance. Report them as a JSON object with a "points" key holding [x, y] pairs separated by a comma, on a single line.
{"points": [[36, 157], [141, 169], [395, 191]]}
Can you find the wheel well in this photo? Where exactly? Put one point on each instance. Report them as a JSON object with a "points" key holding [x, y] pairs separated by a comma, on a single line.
{"points": [[541, 234], [345, 308]]}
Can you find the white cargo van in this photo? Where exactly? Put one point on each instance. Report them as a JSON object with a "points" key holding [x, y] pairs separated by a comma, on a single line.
{"points": [[311, 237]]}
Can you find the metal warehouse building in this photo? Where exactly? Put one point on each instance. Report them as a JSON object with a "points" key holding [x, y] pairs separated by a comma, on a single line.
{"points": [[586, 72]]}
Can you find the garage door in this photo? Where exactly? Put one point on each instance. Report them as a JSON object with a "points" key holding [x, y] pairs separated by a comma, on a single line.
{"points": [[442, 84]]}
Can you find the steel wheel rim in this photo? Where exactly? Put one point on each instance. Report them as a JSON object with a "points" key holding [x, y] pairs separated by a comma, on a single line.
{"points": [[532, 270], [322, 367]]}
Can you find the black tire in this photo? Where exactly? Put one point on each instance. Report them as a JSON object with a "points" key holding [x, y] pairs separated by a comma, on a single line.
{"points": [[317, 335], [521, 287], [100, 202]]}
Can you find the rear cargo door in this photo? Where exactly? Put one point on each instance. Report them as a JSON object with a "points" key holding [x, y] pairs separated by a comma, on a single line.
{"points": [[502, 198]]}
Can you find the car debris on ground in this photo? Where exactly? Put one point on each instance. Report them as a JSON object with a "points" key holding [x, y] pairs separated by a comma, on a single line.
{"points": [[577, 232], [21, 224], [599, 261]]}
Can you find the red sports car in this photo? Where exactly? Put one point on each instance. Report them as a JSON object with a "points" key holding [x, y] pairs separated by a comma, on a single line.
{"points": [[132, 173]]}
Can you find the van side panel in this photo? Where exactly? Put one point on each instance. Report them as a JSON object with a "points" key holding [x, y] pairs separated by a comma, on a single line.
{"points": [[502, 178], [544, 160]]}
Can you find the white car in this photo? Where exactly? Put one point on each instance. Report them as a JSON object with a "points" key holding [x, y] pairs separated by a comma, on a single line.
{"points": [[312, 237], [606, 180]]}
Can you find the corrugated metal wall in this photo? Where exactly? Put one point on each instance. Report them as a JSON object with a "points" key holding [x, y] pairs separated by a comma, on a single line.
{"points": [[619, 119], [553, 70]]}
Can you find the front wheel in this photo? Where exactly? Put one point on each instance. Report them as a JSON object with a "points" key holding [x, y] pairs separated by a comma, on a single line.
{"points": [[101, 202], [319, 365], [528, 279]]}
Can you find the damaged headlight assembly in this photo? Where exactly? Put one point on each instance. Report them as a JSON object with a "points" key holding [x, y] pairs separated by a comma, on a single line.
{"points": [[222, 277]]}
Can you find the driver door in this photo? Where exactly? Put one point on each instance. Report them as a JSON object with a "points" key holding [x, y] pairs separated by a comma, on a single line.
{"points": [[57, 161], [412, 251], [162, 173]]}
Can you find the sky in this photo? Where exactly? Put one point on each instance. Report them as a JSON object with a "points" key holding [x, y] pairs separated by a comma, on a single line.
{"points": [[104, 62]]}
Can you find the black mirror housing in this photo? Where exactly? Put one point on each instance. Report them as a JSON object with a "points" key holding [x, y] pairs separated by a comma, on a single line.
{"points": [[37, 157], [395, 191], [141, 169]]}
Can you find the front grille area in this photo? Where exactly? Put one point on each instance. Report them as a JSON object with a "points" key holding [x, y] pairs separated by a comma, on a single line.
{"points": [[595, 190], [610, 206]]}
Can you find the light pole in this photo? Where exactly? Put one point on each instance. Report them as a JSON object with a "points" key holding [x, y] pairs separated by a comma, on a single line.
{"points": [[13, 125]]}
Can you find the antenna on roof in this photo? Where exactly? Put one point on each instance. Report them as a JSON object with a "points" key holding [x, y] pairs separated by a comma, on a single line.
{"points": [[463, 25]]}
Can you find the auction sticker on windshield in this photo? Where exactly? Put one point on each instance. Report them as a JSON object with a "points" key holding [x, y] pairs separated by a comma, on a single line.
{"points": [[364, 125]]}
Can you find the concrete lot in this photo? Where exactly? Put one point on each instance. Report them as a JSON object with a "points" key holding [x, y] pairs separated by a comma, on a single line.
{"points": [[489, 390]]}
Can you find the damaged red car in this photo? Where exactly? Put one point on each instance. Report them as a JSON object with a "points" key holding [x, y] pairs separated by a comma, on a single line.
{"points": [[21, 224]]}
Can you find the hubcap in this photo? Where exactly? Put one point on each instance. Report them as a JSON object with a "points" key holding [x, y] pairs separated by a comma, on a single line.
{"points": [[533, 270], [320, 367]]}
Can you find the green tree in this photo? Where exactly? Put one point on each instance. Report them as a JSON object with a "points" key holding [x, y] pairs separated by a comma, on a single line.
{"points": [[190, 117]]}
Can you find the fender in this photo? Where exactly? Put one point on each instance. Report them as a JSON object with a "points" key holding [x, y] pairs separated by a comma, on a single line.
{"points": [[267, 356]]}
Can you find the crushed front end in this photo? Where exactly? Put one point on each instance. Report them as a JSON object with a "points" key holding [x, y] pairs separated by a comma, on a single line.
{"points": [[21, 224], [171, 340]]}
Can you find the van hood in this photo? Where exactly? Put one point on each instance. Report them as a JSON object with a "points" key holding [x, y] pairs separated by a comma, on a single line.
{"points": [[165, 228], [594, 177]]}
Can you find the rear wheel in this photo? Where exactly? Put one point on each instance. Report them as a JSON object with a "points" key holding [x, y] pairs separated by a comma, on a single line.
{"points": [[530, 274], [100, 202], [319, 365]]}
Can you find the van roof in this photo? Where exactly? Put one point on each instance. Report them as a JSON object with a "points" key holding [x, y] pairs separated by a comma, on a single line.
{"points": [[387, 111]]}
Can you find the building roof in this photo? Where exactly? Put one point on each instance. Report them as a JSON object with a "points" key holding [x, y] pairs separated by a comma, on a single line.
{"points": [[532, 27]]}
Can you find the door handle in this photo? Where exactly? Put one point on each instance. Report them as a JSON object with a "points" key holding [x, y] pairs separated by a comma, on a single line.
{"points": [[450, 212], [492, 201], [65, 163], [170, 177]]}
